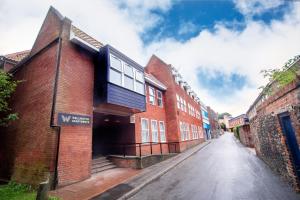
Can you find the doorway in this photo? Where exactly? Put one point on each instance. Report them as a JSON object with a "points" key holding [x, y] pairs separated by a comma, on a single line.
{"points": [[109, 133], [288, 131]]}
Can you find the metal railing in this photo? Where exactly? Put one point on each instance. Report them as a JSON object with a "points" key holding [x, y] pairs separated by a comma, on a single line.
{"points": [[142, 149]]}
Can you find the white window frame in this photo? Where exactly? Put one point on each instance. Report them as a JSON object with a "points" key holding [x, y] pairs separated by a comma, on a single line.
{"points": [[154, 132], [160, 98], [129, 76], [188, 136], [152, 89], [145, 133], [123, 74], [162, 133], [181, 127], [178, 101]]}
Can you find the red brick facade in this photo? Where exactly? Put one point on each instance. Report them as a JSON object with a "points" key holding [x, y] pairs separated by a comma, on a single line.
{"points": [[58, 77], [163, 72]]}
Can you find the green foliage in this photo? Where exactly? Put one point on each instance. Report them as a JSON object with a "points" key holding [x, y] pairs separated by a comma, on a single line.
{"points": [[282, 76], [236, 131], [7, 87], [18, 191], [223, 126]]}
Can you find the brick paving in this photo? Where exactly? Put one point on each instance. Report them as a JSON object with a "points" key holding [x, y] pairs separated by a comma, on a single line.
{"points": [[95, 185]]}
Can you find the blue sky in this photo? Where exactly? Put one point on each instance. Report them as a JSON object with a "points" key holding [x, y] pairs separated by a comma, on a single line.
{"points": [[186, 19], [218, 46], [196, 15]]}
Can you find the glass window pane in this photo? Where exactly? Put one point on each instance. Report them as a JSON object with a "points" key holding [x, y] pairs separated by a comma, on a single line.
{"points": [[154, 131], [139, 76], [128, 82], [115, 63], [145, 130], [128, 70], [115, 77], [139, 87]]}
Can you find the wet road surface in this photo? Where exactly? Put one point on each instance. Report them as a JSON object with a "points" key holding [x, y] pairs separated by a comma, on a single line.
{"points": [[224, 170]]}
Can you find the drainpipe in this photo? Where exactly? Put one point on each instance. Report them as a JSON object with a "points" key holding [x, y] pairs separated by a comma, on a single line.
{"points": [[58, 58]]}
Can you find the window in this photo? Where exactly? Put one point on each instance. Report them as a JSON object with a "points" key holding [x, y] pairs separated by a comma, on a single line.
{"points": [[154, 130], [122, 74], [115, 63], [151, 95], [145, 130], [184, 131], [178, 101], [115, 77], [139, 82], [176, 79], [162, 131], [159, 98], [200, 132], [128, 77], [181, 130], [181, 103], [184, 105], [187, 129], [194, 132]]}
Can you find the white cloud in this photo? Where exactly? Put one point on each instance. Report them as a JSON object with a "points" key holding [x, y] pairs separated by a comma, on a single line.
{"points": [[187, 27], [246, 52], [256, 7]]}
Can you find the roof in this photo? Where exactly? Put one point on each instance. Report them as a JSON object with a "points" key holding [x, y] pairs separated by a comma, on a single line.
{"points": [[17, 56], [154, 81], [85, 37], [240, 116]]}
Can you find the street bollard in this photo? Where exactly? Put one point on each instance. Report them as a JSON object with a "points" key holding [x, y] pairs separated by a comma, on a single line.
{"points": [[42, 193]]}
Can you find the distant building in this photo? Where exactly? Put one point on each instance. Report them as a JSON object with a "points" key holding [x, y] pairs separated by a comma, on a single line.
{"points": [[214, 123], [240, 125], [206, 124], [225, 121]]}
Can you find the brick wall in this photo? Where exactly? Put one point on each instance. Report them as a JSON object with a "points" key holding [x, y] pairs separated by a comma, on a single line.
{"points": [[28, 146], [245, 135], [74, 95], [153, 112], [269, 140], [163, 73]]}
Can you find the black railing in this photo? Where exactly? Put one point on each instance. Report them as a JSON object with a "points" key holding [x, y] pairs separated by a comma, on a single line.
{"points": [[142, 149]]}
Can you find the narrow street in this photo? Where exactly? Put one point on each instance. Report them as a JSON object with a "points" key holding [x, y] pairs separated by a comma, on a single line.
{"points": [[223, 170]]}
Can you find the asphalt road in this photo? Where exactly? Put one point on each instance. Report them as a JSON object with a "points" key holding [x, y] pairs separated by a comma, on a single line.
{"points": [[224, 170]]}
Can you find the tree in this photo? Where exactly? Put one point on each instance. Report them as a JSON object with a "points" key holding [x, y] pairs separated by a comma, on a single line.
{"points": [[282, 76], [221, 116], [223, 126], [7, 87]]}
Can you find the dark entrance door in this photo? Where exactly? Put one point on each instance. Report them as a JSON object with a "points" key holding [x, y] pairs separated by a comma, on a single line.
{"points": [[293, 146]]}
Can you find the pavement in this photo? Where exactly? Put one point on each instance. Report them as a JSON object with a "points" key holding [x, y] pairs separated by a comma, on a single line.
{"points": [[131, 186], [95, 185], [121, 182], [224, 170]]}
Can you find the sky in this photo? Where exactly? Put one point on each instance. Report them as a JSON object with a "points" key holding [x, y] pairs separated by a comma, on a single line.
{"points": [[218, 46]]}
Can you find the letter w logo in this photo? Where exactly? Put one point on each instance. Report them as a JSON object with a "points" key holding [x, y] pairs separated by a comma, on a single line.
{"points": [[65, 119]]}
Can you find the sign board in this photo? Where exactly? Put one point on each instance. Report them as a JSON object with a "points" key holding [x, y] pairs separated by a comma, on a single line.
{"points": [[67, 119]]}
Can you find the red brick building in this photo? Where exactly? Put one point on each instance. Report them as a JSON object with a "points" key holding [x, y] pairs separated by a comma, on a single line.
{"points": [[214, 123], [240, 125], [80, 100]]}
